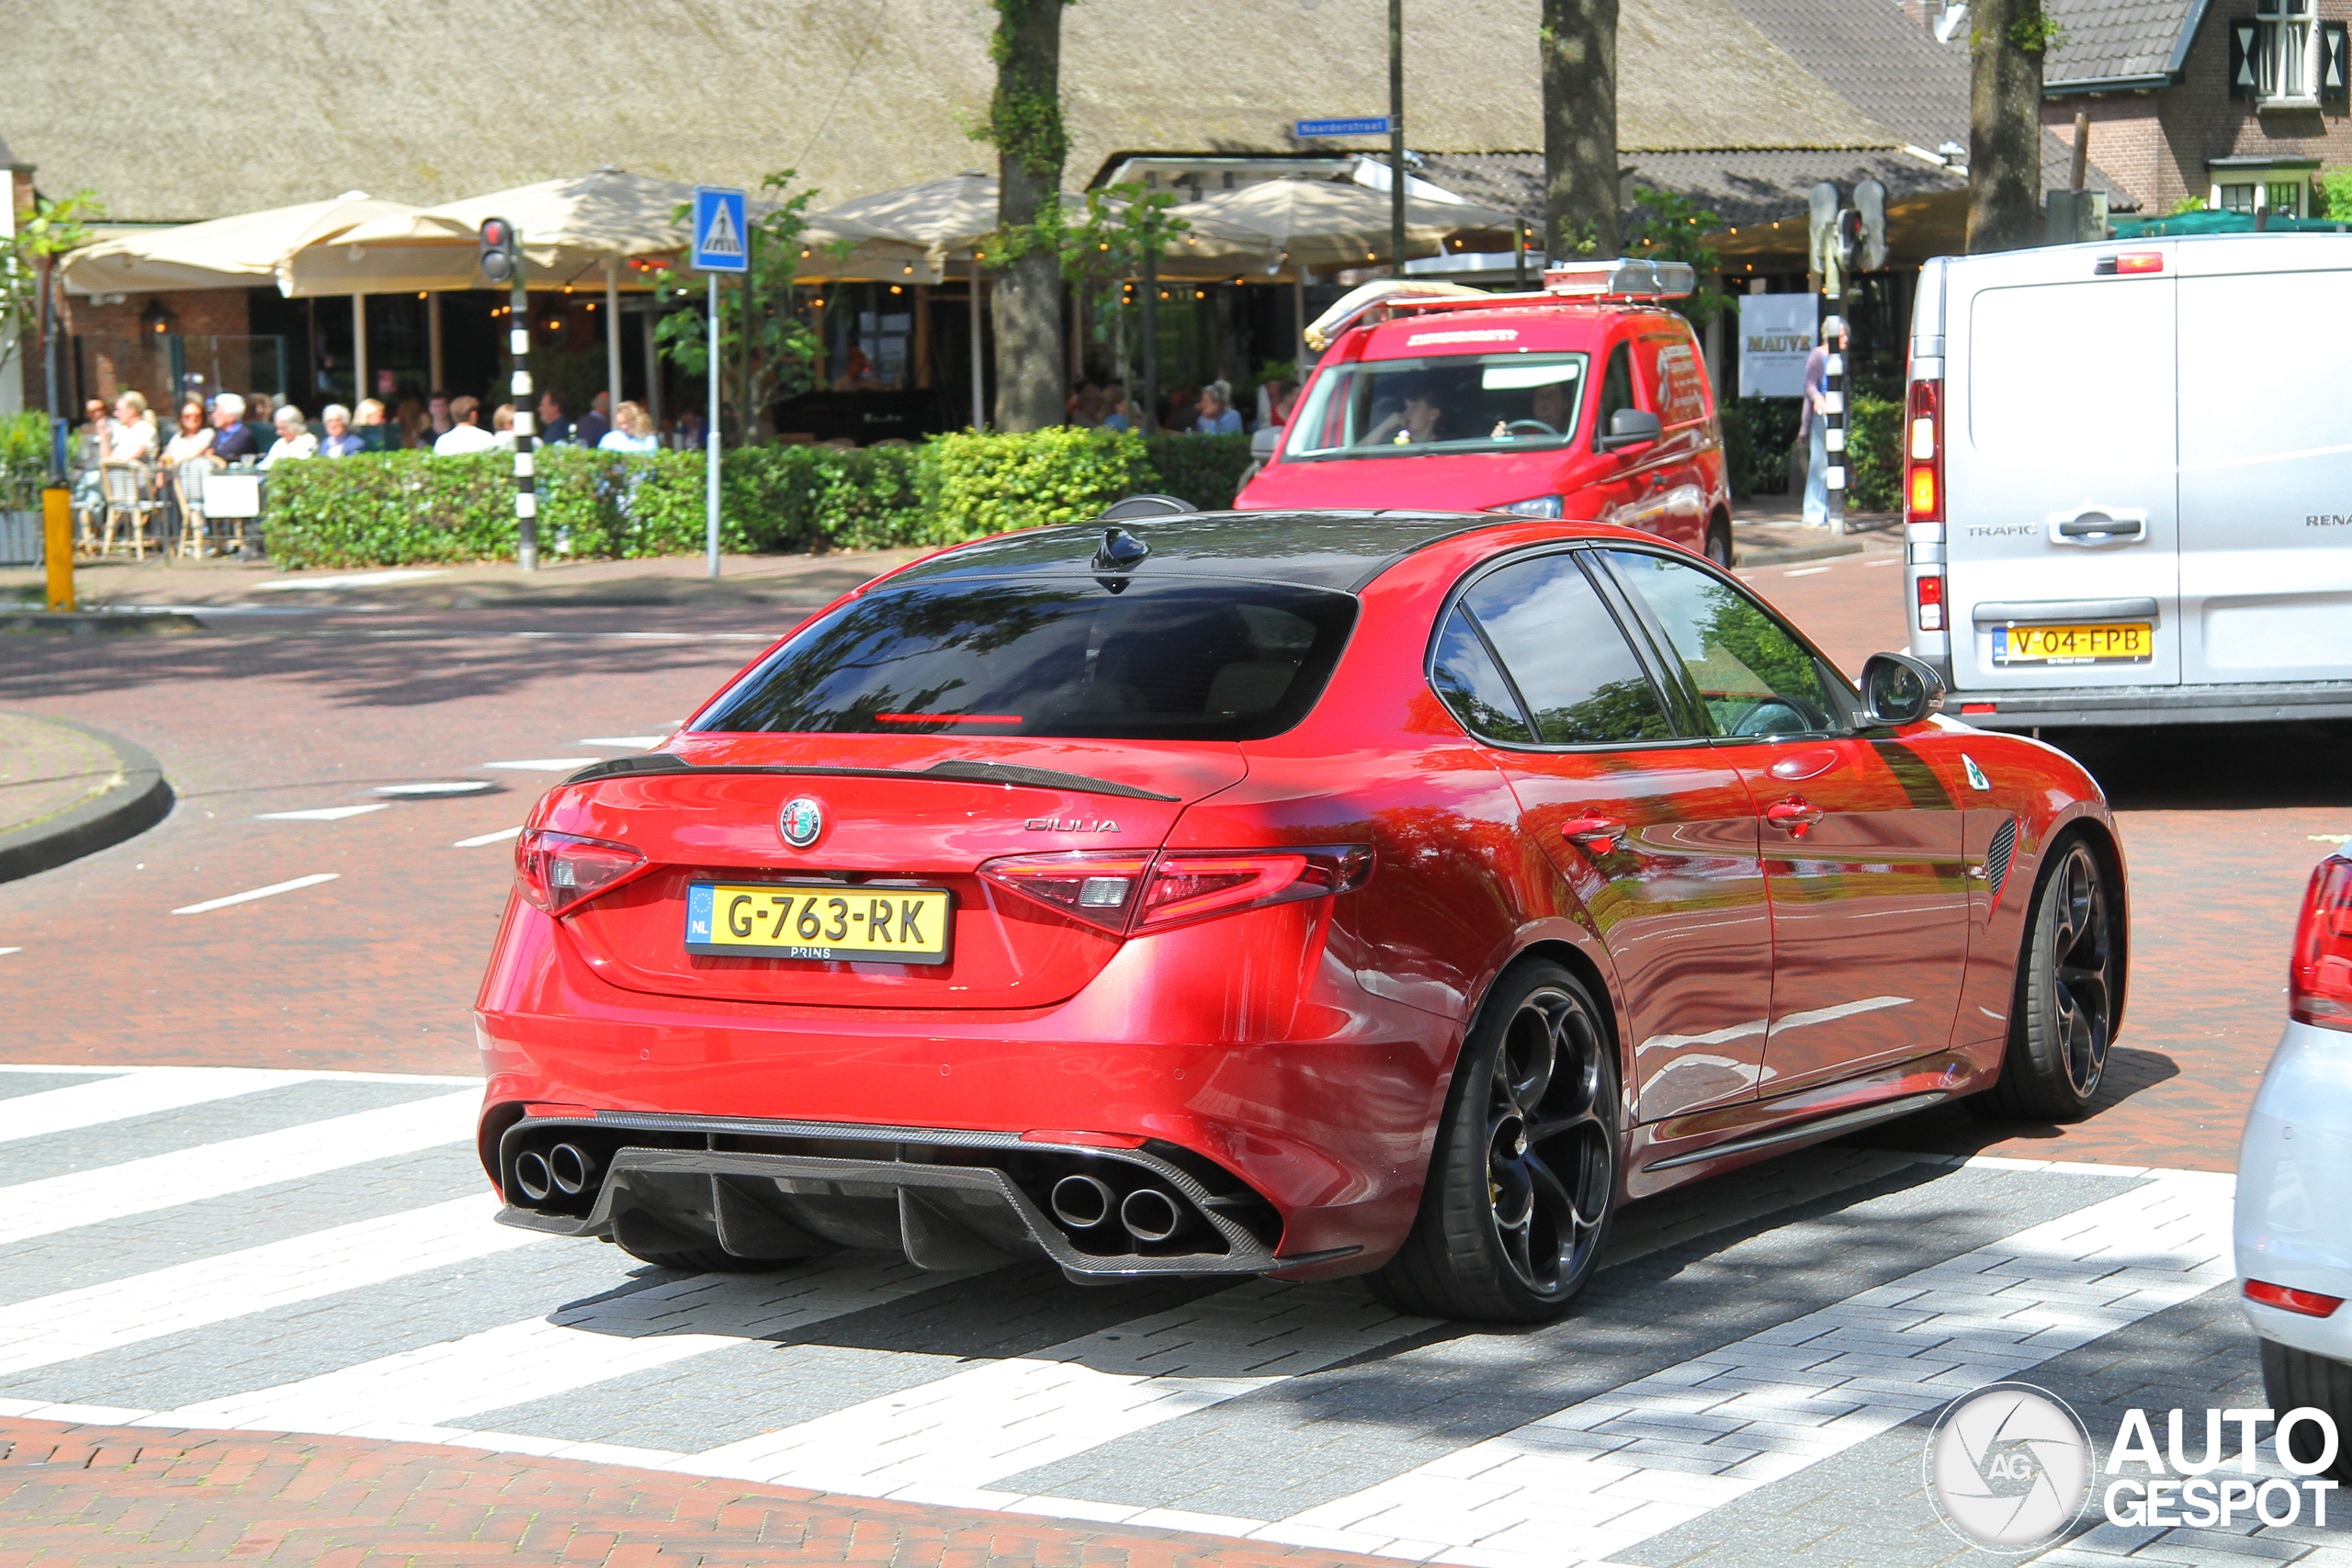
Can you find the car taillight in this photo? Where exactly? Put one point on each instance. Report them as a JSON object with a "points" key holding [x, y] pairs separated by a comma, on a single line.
{"points": [[2311, 1303], [556, 872], [1923, 490], [1930, 593], [2319, 976], [1123, 891], [1535, 507]]}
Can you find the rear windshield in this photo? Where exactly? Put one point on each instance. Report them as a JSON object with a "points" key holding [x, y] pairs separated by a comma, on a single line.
{"points": [[1455, 402], [1168, 660]]}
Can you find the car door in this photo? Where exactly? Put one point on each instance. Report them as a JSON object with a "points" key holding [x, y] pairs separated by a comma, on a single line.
{"points": [[1863, 834], [2266, 472], [2060, 452], [1652, 830], [1629, 485], [1675, 377]]}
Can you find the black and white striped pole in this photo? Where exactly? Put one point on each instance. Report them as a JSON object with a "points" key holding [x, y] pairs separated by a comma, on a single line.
{"points": [[1833, 393], [502, 262]]}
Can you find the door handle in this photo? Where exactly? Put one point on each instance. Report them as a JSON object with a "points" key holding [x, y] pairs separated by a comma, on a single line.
{"points": [[2098, 526], [1795, 815], [1592, 831]]}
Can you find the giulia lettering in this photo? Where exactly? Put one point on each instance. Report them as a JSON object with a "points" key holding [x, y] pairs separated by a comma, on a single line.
{"points": [[908, 931], [738, 922], [1068, 825]]}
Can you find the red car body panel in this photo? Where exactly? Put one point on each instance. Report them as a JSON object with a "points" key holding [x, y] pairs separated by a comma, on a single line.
{"points": [[1672, 488], [1306, 1047]]}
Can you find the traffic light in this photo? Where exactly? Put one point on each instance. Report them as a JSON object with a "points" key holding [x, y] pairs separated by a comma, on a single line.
{"points": [[1870, 200], [501, 257]]}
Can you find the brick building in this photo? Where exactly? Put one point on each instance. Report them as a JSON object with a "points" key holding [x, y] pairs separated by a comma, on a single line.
{"points": [[2238, 105]]}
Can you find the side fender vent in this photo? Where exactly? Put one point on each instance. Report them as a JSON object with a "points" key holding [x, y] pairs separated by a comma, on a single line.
{"points": [[1998, 854]]}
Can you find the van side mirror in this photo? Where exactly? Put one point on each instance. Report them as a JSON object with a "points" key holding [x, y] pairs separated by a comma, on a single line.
{"points": [[1899, 690], [1631, 427]]}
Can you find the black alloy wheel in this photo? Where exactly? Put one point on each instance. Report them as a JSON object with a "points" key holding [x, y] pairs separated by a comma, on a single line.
{"points": [[1524, 1177], [2064, 1020]]}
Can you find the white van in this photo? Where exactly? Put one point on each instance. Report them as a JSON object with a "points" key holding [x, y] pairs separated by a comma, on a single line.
{"points": [[2129, 481]]}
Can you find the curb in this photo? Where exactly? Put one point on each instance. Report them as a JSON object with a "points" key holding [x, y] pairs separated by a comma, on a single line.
{"points": [[87, 622], [143, 799], [1787, 554]]}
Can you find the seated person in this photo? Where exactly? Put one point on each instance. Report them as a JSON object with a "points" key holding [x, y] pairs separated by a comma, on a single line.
{"points": [[1415, 423]]}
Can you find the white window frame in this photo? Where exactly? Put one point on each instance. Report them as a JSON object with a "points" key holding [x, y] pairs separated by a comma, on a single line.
{"points": [[2287, 45]]}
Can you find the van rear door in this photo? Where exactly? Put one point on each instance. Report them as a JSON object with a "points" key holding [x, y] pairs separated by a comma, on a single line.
{"points": [[2060, 456], [2265, 458]]}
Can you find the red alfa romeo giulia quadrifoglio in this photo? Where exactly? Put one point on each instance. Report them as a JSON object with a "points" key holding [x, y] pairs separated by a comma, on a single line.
{"points": [[1278, 893]]}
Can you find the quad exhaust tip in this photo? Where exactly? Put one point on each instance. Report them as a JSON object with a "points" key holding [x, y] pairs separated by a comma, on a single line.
{"points": [[533, 1177], [571, 1168], [1081, 1202], [1151, 1215]]}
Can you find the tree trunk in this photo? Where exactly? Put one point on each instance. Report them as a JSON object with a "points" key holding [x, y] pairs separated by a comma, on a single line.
{"points": [[2005, 127], [1578, 46], [1026, 121]]}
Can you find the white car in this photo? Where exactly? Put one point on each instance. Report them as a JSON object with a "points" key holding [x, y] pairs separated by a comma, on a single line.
{"points": [[2293, 1223]]}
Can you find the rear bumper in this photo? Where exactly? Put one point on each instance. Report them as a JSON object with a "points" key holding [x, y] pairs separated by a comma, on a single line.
{"points": [[2291, 1225], [2093, 706], [950, 1200]]}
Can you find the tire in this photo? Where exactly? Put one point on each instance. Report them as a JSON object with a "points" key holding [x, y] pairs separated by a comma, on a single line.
{"points": [[1718, 547], [2294, 1379], [711, 1260], [1523, 1179], [2069, 975]]}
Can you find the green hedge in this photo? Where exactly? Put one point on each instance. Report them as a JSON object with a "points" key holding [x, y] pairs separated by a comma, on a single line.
{"points": [[1758, 434], [1874, 455], [400, 508]]}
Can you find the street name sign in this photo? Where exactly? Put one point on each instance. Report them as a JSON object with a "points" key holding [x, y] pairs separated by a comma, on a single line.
{"points": [[718, 231], [1363, 125]]}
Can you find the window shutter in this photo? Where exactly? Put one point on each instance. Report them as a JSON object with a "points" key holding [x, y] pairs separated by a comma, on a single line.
{"points": [[2242, 53], [2334, 64]]}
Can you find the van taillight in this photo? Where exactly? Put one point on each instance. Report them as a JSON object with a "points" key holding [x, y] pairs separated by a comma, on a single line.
{"points": [[1931, 603], [1923, 489], [2319, 975]]}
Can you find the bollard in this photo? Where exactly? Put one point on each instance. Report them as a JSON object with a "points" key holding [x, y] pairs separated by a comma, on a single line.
{"points": [[57, 544]]}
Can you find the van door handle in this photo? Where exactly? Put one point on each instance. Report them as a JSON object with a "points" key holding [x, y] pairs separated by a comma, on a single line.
{"points": [[2098, 526], [1795, 815], [1590, 830]]}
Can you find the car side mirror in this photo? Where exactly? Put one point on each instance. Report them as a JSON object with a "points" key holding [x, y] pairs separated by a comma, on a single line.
{"points": [[1899, 690], [1631, 427]]}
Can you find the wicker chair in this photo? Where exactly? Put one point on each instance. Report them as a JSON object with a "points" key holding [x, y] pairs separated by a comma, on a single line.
{"points": [[130, 491], [188, 484]]}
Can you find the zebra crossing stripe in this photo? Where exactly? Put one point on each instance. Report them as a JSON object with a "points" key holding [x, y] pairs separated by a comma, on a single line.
{"points": [[70, 1324], [139, 1093], [1573, 1486], [210, 1170], [516, 1362], [1007, 1417]]}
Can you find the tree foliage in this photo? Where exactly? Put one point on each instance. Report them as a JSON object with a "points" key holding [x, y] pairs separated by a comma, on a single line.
{"points": [[1666, 225], [29, 261], [785, 346]]}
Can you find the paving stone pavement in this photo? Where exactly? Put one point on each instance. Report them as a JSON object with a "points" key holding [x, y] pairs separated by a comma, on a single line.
{"points": [[1746, 1381]]}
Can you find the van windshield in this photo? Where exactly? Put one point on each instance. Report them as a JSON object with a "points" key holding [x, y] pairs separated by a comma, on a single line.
{"points": [[1455, 402], [1181, 659]]}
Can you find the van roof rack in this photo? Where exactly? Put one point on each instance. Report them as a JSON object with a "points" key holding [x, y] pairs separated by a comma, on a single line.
{"points": [[1627, 279]]}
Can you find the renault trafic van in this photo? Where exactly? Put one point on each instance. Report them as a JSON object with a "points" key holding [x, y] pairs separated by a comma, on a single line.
{"points": [[2128, 481]]}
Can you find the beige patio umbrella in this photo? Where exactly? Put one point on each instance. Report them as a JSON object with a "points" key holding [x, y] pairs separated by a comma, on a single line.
{"points": [[223, 253], [1288, 224]]}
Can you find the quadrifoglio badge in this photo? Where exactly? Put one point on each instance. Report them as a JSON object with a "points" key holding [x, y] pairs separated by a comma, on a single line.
{"points": [[2011, 1467]]}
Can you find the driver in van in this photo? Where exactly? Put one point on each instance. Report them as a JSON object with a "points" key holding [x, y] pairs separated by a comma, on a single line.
{"points": [[1549, 406], [1414, 425]]}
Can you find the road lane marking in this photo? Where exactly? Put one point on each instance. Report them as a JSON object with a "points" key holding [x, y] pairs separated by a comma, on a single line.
{"points": [[72, 1324], [634, 742], [958, 1430], [139, 1093], [572, 1347], [251, 894], [346, 580], [211, 1171], [478, 839], [1884, 560], [1805, 571], [323, 813], [546, 764], [446, 787], [5, 950]]}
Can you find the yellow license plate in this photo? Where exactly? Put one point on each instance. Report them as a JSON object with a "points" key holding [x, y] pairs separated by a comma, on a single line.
{"points": [[895, 925], [2123, 642]]}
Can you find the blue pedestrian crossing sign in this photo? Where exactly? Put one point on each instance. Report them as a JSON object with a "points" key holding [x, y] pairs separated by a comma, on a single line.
{"points": [[718, 231]]}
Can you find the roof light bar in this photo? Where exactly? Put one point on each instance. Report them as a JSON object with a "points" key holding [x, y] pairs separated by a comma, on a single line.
{"points": [[1623, 278]]}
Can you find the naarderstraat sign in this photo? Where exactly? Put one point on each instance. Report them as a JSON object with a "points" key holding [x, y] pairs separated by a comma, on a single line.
{"points": [[1775, 334]]}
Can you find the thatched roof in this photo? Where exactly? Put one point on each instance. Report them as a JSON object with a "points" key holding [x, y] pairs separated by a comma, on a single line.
{"points": [[267, 102]]}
